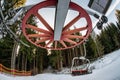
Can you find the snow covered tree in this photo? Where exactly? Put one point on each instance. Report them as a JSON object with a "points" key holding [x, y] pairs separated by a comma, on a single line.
{"points": [[118, 15], [19, 3]]}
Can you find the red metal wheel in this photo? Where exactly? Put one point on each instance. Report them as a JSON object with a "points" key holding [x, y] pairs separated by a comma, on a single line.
{"points": [[45, 38]]}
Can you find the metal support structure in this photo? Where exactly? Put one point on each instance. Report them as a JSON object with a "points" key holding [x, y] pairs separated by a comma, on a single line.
{"points": [[9, 31], [61, 13], [84, 49], [93, 14], [20, 11]]}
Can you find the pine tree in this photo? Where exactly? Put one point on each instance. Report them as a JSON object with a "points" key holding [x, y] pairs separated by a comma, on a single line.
{"points": [[91, 48], [100, 47], [118, 15]]}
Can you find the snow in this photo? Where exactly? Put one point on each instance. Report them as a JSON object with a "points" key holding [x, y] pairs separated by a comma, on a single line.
{"points": [[106, 68]]}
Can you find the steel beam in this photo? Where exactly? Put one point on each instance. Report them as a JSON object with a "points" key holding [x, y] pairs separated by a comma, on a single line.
{"points": [[61, 13]]}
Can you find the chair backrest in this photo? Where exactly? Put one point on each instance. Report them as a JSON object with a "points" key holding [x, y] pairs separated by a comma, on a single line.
{"points": [[82, 66]]}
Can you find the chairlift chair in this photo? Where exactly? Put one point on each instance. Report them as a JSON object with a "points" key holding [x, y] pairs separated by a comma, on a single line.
{"points": [[80, 66]]}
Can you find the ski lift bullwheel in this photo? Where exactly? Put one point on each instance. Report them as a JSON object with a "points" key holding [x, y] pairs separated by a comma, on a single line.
{"points": [[44, 38]]}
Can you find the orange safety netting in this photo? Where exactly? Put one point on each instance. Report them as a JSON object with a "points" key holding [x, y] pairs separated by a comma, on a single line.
{"points": [[14, 72]]}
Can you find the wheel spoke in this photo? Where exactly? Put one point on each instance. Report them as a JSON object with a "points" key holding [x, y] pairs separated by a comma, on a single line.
{"points": [[38, 35], [42, 40], [73, 36], [56, 44], [75, 30], [44, 22], [70, 41], [38, 29], [62, 42], [71, 22], [50, 42]]}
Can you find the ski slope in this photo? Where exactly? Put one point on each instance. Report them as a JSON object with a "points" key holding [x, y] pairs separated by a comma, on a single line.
{"points": [[106, 68]]}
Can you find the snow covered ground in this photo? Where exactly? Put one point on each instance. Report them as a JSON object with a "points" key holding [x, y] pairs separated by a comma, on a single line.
{"points": [[106, 68]]}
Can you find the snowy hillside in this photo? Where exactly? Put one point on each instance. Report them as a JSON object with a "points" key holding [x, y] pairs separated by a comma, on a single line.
{"points": [[107, 68]]}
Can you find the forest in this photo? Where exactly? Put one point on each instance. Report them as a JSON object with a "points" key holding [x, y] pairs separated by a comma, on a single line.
{"points": [[20, 57]]}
